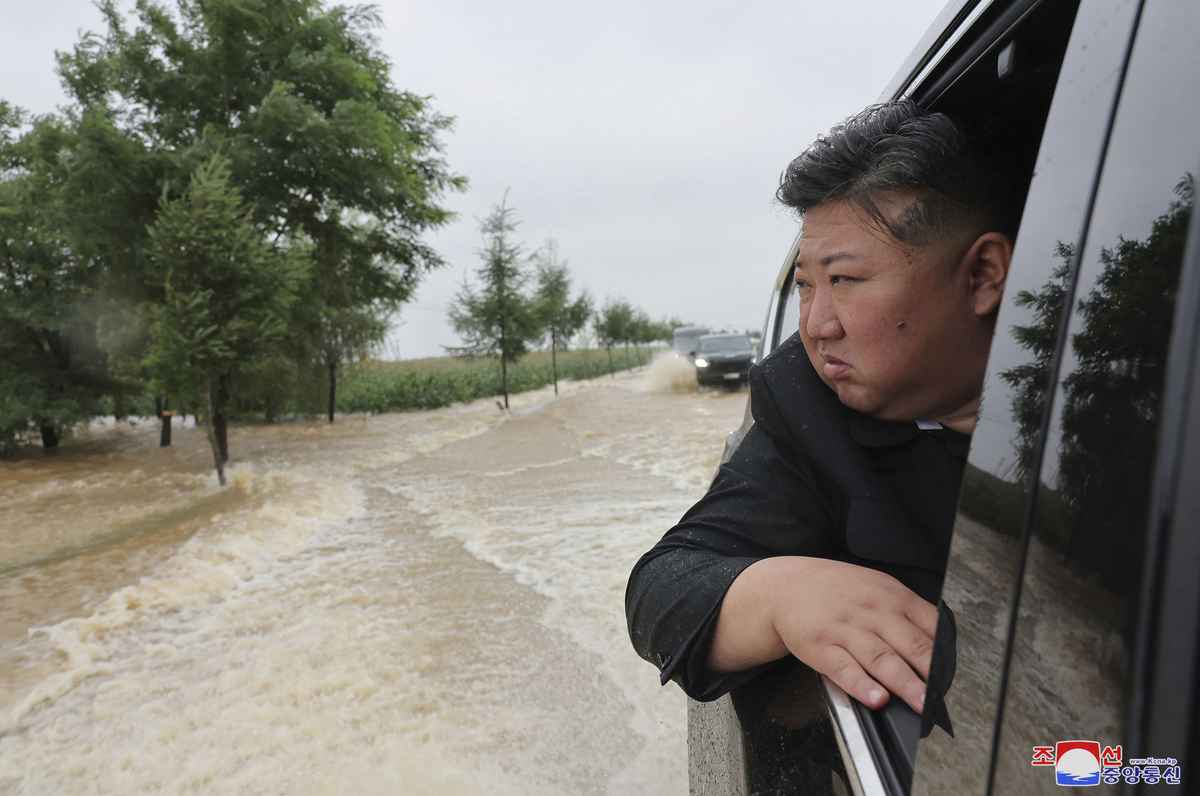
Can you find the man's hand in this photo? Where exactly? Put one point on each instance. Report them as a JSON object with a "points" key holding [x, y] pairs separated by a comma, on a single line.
{"points": [[861, 628]]}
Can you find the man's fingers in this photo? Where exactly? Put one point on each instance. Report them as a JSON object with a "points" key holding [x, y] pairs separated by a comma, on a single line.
{"points": [[910, 642], [923, 614], [882, 662], [841, 667]]}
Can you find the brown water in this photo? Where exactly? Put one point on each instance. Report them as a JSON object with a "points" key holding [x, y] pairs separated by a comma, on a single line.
{"points": [[426, 602]]}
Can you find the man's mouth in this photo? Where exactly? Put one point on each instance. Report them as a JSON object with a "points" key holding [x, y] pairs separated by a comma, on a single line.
{"points": [[834, 368]]}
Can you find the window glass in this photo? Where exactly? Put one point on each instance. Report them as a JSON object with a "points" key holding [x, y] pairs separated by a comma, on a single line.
{"points": [[1071, 654], [985, 551]]}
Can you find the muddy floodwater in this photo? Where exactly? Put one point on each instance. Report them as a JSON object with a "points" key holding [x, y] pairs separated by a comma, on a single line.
{"points": [[427, 602]]}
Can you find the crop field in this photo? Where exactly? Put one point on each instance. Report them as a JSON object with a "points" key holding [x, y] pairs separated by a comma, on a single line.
{"points": [[376, 386]]}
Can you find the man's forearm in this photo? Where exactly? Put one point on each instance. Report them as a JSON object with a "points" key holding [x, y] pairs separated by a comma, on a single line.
{"points": [[864, 629], [745, 635]]}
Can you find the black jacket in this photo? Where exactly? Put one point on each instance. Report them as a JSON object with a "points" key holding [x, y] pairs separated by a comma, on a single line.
{"points": [[811, 477]]}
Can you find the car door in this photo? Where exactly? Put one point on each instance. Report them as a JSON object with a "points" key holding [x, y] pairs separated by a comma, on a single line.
{"points": [[983, 570], [1072, 653]]}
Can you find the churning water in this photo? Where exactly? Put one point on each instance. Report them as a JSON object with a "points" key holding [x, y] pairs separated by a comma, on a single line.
{"points": [[427, 602]]}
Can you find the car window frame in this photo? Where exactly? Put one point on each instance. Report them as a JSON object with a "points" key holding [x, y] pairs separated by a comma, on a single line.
{"points": [[780, 297]]}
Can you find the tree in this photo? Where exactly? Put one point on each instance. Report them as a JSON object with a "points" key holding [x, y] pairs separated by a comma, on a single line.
{"points": [[613, 325], [644, 331], [52, 374], [558, 315], [498, 319], [321, 146], [226, 296], [348, 333]]}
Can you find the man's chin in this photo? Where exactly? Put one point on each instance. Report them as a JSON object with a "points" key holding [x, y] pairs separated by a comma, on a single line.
{"points": [[855, 397]]}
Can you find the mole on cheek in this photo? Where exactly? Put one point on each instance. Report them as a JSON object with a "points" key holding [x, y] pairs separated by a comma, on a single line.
{"points": [[901, 324]]}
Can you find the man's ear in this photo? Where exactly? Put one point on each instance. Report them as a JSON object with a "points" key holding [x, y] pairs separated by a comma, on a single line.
{"points": [[986, 264]]}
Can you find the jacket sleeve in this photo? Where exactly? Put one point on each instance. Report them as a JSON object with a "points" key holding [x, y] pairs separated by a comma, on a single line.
{"points": [[764, 502]]}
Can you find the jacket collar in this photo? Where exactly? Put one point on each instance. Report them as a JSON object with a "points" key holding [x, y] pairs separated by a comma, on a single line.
{"points": [[873, 433]]}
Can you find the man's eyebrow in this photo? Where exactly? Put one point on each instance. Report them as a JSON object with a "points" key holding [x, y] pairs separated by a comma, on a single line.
{"points": [[829, 259]]}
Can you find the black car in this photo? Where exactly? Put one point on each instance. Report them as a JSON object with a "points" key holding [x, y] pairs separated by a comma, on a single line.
{"points": [[1073, 568], [724, 359]]}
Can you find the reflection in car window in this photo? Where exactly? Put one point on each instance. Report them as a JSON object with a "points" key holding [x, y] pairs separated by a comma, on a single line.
{"points": [[1071, 655], [985, 550]]}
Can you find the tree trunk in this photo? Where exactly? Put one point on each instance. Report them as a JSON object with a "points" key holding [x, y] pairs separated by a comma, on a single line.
{"points": [[210, 426], [220, 423], [49, 436], [164, 433], [554, 359], [504, 378], [332, 365]]}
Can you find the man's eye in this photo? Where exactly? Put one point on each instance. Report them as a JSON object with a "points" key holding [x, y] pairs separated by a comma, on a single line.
{"points": [[839, 278]]}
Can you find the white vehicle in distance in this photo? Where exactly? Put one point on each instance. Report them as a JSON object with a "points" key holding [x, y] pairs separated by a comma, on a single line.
{"points": [[685, 340]]}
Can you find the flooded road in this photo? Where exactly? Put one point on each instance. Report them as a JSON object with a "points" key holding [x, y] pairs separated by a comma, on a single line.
{"points": [[427, 602]]}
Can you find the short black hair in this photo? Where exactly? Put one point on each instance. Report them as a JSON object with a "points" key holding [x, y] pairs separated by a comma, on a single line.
{"points": [[897, 146]]}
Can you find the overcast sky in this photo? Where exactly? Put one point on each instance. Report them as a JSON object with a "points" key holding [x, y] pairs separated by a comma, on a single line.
{"points": [[647, 138]]}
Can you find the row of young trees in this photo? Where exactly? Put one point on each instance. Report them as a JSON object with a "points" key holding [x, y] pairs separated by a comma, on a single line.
{"points": [[513, 308], [232, 202]]}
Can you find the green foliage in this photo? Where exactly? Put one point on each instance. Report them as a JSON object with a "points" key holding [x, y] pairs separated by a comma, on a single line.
{"points": [[433, 383], [52, 373], [644, 331], [559, 316], [498, 319], [334, 164], [615, 323], [226, 294]]}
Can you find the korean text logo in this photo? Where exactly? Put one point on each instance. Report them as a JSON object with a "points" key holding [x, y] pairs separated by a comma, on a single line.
{"points": [[1081, 763]]}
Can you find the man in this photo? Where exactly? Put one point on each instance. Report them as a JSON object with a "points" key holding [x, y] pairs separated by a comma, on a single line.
{"points": [[826, 534]]}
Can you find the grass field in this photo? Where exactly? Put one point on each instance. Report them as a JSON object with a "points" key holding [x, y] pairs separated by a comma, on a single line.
{"points": [[376, 386]]}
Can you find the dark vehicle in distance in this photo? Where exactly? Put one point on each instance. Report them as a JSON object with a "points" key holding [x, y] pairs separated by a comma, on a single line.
{"points": [[724, 359], [1072, 569]]}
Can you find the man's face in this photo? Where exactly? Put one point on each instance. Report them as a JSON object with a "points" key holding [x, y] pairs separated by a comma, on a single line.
{"points": [[893, 328]]}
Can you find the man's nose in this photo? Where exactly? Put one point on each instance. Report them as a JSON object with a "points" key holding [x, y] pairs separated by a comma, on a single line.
{"points": [[821, 322]]}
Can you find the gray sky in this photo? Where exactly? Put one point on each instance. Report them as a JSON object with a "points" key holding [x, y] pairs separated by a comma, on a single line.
{"points": [[646, 138]]}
